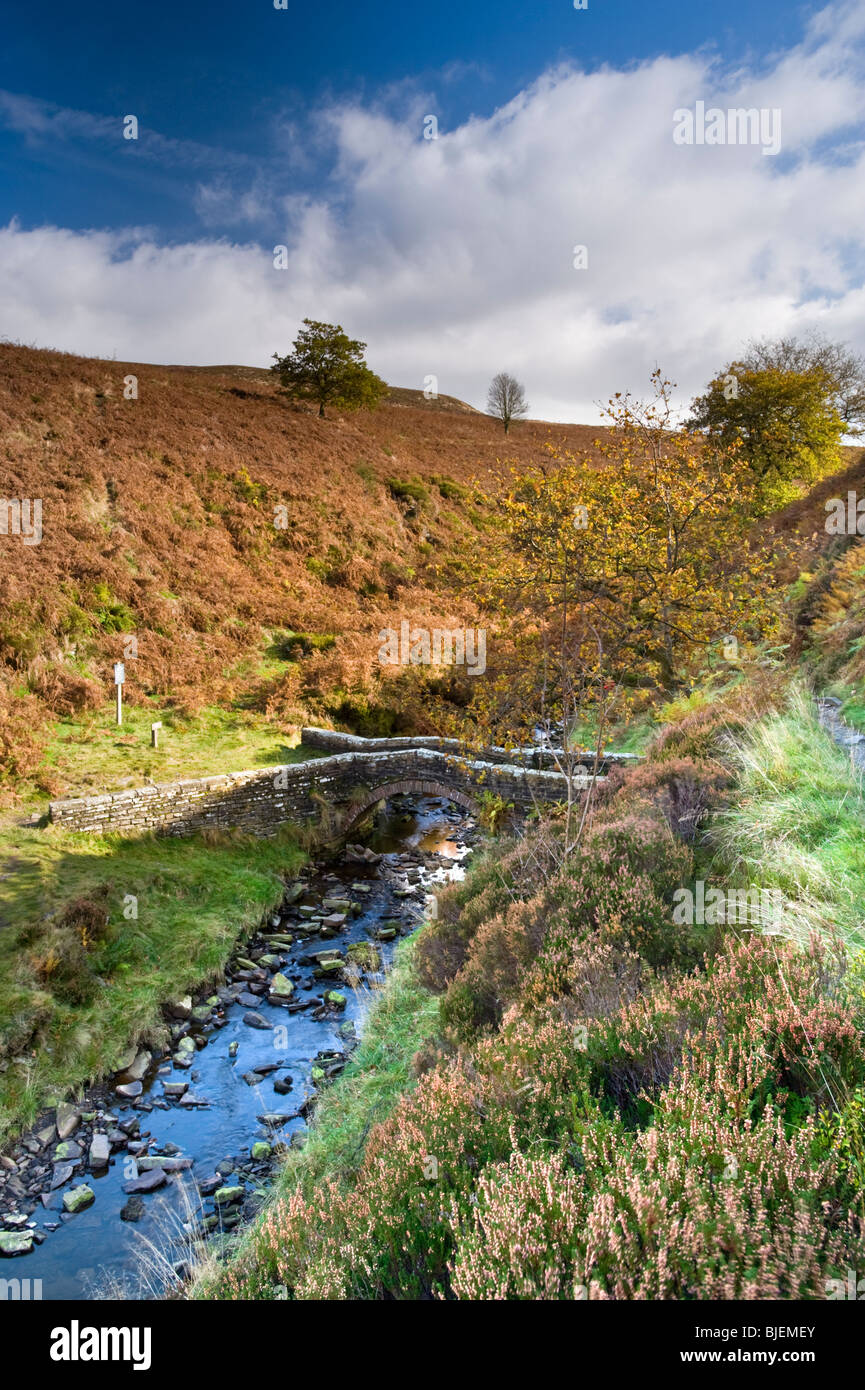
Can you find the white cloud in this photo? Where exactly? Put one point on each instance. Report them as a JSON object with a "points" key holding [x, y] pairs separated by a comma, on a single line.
{"points": [[454, 256]]}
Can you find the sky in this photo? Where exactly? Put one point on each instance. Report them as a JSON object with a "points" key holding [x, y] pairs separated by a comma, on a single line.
{"points": [[466, 187]]}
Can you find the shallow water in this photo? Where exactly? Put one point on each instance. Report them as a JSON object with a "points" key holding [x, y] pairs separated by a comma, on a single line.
{"points": [[93, 1252]]}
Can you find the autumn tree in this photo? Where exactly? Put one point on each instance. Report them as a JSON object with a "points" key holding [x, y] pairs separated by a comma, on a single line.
{"points": [[327, 367], [614, 577], [506, 399], [843, 370], [785, 418]]}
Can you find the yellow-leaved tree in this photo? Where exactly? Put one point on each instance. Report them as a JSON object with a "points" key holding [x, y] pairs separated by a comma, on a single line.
{"points": [[613, 574]]}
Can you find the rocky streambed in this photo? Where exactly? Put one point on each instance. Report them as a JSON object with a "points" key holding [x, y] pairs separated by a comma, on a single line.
{"points": [[102, 1198], [851, 740]]}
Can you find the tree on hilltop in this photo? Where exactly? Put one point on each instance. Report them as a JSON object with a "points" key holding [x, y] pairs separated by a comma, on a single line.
{"points": [[844, 370], [327, 366], [506, 398]]}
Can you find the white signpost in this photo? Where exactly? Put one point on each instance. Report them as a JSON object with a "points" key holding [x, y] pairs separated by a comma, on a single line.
{"points": [[119, 678]]}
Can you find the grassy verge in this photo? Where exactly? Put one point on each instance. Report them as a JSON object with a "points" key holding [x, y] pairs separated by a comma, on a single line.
{"points": [[403, 1017], [96, 932], [798, 823], [90, 754]]}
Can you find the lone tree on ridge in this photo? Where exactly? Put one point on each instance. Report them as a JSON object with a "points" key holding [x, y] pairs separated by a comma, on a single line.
{"points": [[328, 367], [506, 398]]}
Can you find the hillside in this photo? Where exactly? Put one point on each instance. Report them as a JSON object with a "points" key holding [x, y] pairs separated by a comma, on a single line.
{"points": [[252, 550], [396, 395], [670, 1106], [160, 521]]}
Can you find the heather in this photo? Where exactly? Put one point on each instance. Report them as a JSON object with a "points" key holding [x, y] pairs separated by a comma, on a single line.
{"points": [[606, 1105]]}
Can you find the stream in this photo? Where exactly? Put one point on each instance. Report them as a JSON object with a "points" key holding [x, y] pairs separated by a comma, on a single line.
{"points": [[207, 1119]]}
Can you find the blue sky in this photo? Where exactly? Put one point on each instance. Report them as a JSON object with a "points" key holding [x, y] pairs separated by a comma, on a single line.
{"points": [[303, 127], [223, 76]]}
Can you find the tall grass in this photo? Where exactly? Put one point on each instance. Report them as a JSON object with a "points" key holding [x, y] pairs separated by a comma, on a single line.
{"points": [[162, 1260], [797, 824]]}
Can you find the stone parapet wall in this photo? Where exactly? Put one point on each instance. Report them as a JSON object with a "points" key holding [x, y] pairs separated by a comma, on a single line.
{"points": [[331, 741], [260, 800]]}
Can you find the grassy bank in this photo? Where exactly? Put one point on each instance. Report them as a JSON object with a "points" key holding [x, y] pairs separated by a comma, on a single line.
{"points": [[798, 823], [96, 932], [89, 754]]}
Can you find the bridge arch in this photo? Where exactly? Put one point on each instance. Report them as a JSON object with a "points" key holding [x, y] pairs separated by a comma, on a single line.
{"points": [[412, 786]]}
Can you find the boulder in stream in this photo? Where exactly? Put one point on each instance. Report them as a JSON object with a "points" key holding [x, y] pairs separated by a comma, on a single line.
{"points": [[62, 1173], [77, 1198], [67, 1152], [139, 1066], [100, 1151], [255, 1020], [225, 1196], [130, 1090], [16, 1243], [281, 988], [146, 1182], [133, 1210]]}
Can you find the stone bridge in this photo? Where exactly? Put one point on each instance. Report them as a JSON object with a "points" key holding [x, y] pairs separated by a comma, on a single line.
{"points": [[343, 778]]}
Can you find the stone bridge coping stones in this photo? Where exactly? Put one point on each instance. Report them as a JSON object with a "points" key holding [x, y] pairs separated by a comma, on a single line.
{"points": [[332, 741]]}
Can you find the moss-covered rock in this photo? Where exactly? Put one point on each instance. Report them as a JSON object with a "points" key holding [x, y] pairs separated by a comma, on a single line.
{"points": [[77, 1198]]}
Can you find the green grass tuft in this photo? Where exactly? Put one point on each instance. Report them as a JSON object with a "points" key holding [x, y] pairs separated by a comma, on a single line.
{"points": [[798, 823]]}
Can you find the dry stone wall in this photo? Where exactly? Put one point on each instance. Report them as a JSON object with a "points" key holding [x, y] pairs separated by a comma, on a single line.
{"points": [[331, 741], [261, 800]]}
